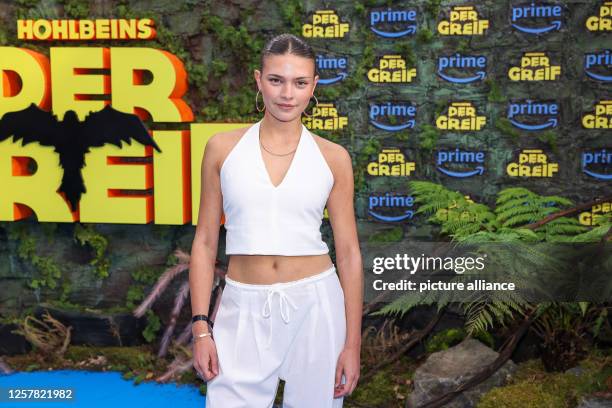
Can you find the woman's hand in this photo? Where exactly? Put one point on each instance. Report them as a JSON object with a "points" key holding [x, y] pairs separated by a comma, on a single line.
{"points": [[205, 359], [348, 364]]}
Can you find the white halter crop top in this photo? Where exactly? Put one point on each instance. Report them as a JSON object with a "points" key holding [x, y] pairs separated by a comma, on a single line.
{"points": [[261, 219]]}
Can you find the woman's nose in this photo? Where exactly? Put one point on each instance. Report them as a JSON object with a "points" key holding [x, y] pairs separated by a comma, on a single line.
{"points": [[286, 91]]}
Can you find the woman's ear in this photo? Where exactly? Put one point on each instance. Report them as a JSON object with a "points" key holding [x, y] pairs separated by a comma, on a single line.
{"points": [[316, 80], [257, 76]]}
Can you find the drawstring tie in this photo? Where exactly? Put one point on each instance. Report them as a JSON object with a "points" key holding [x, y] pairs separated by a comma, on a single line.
{"points": [[283, 301]]}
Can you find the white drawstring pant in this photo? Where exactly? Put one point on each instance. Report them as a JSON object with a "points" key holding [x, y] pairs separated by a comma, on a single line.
{"points": [[294, 331]]}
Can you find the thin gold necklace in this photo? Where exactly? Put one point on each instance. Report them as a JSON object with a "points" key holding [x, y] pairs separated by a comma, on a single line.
{"points": [[275, 154]]}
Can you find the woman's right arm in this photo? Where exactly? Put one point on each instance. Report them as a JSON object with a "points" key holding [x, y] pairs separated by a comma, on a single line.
{"points": [[204, 256]]}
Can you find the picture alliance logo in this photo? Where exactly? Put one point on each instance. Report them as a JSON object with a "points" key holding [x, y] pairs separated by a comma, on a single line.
{"points": [[537, 18], [528, 115], [392, 116], [392, 23], [390, 207], [334, 68], [460, 158], [454, 68]]}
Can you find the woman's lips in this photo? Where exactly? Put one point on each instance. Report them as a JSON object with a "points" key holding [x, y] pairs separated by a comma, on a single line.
{"points": [[286, 107]]}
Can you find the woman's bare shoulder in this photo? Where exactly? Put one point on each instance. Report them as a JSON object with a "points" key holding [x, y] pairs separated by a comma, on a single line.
{"points": [[336, 155], [222, 143]]}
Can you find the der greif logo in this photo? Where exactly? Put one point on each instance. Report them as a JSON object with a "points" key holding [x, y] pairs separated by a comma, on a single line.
{"points": [[535, 66], [600, 118], [532, 163], [463, 20], [391, 162], [603, 20], [325, 116], [325, 24], [461, 116], [391, 69], [587, 217]]}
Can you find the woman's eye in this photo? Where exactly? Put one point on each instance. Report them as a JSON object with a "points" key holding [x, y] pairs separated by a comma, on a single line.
{"points": [[302, 83], [274, 80]]}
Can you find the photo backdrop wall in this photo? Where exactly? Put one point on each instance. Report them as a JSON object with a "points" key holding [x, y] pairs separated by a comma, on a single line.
{"points": [[476, 96]]}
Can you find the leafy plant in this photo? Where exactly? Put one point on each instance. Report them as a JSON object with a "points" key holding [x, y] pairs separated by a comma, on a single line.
{"points": [[516, 223]]}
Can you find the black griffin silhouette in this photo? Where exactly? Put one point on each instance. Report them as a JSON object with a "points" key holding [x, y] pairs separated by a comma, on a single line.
{"points": [[72, 139]]}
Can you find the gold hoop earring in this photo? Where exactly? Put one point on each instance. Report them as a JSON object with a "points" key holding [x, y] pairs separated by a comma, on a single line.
{"points": [[317, 104], [256, 105]]}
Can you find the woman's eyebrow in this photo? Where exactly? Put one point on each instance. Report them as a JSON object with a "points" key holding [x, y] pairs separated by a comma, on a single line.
{"points": [[280, 76]]}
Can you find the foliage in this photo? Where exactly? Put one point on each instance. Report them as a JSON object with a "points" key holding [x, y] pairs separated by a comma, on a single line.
{"points": [[153, 326], [468, 222], [385, 389], [394, 234], [143, 277], [87, 235], [49, 272], [292, 12], [506, 128], [532, 387], [428, 138], [495, 93], [371, 148], [450, 337], [424, 36], [432, 7], [549, 137], [444, 339], [563, 328], [76, 8]]}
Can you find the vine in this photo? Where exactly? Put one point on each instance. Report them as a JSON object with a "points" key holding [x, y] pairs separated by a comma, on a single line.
{"points": [[50, 273], [87, 235]]}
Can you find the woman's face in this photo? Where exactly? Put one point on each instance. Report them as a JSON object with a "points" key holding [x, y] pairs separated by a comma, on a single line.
{"points": [[287, 83]]}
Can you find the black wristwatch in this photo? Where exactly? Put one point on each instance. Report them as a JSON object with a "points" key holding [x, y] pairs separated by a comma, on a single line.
{"points": [[202, 317]]}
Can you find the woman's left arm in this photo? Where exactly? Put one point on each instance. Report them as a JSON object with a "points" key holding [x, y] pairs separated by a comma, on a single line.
{"points": [[340, 207]]}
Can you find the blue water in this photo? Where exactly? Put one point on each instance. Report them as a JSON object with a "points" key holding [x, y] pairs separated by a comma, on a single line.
{"points": [[99, 389]]}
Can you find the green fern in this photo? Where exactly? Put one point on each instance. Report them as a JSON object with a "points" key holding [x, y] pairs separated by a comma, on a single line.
{"points": [[470, 223]]}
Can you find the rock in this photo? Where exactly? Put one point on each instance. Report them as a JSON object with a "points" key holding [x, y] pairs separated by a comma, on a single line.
{"points": [[12, 343], [184, 22], [594, 402], [445, 370], [577, 371]]}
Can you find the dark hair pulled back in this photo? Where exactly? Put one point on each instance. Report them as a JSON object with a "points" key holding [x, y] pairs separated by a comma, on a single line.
{"points": [[289, 44]]}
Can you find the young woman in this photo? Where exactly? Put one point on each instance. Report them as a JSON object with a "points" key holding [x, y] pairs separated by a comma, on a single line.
{"points": [[284, 313]]}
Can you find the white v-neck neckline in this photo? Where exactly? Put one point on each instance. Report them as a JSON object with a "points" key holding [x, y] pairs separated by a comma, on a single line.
{"points": [[263, 163]]}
